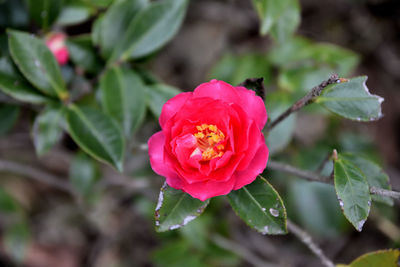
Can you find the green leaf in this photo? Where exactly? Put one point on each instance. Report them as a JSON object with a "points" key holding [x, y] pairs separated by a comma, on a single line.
{"points": [[152, 28], [97, 134], [16, 240], [83, 54], [44, 12], [352, 100], [47, 129], [20, 90], [352, 191], [380, 258], [287, 22], [83, 174], [115, 22], [37, 63], [176, 208], [124, 98], [157, 95], [8, 117], [8, 205], [100, 3], [279, 137], [260, 207], [273, 12], [374, 174], [72, 15]]}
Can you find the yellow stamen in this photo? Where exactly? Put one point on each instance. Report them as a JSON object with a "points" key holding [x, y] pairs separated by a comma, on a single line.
{"points": [[209, 141]]}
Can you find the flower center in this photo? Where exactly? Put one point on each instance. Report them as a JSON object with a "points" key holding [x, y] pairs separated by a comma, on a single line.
{"points": [[209, 141]]}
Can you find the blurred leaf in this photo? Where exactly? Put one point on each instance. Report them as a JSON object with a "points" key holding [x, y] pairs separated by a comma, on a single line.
{"points": [[37, 63], [16, 240], [83, 174], [287, 22], [315, 207], [197, 232], [260, 207], [97, 134], [8, 117], [8, 205], [152, 28], [352, 191], [352, 100], [235, 69], [124, 98], [113, 25], [44, 12], [175, 209], [176, 254], [273, 12], [47, 129], [20, 90], [279, 137], [72, 15], [96, 31], [99, 3], [374, 174], [13, 14], [83, 54], [380, 258], [157, 95]]}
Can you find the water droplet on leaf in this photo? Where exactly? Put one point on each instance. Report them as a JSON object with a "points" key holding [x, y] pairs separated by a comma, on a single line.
{"points": [[265, 230], [274, 212]]}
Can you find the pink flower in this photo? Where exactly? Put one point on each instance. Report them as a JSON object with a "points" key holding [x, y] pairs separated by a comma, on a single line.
{"points": [[211, 141], [56, 43]]}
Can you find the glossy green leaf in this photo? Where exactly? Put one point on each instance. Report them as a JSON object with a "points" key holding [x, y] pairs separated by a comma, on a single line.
{"points": [[272, 12], [352, 100], [157, 95], [124, 98], [287, 23], [279, 137], [44, 12], [71, 15], [83, 174], [352, 191], [115, 22], [8, 117], [47, 129], [373, 172], [380, 258], [20, 90], [97, 134], [152, 28], [37, 63], [83, 54], [176, 208], [16, 240], [260, 207]]}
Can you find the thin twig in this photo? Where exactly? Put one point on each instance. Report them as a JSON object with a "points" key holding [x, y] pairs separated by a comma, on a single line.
{"points": [[307, 99], [35, 174], [383, 192], [307, 240], [311, 176], [242, 251]]}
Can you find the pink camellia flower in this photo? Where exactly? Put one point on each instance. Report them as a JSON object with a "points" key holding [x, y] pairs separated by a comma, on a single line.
{"points": [[211, 141], [56, 43]]}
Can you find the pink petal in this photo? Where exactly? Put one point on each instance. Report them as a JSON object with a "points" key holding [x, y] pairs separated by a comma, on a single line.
{"points": [[158, 163], [254, 105], [172, 106], [209, 189], [256, 166]]}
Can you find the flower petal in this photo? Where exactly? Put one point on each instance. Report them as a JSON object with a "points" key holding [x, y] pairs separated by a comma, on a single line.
{"points": [[172, 106], [206, 190], [254, 105]]}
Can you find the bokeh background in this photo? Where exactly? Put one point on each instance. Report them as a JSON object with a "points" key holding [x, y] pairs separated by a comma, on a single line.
{"points": [[218, 39]]}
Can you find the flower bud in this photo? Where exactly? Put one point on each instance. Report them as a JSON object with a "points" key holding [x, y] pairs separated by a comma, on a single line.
{"points": [[56, 43]]}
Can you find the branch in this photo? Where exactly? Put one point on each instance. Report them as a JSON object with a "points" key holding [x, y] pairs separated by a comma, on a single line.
{"points": [[307, 240], [36, 174], [242, 251], [315, 177], [306, 100]]}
